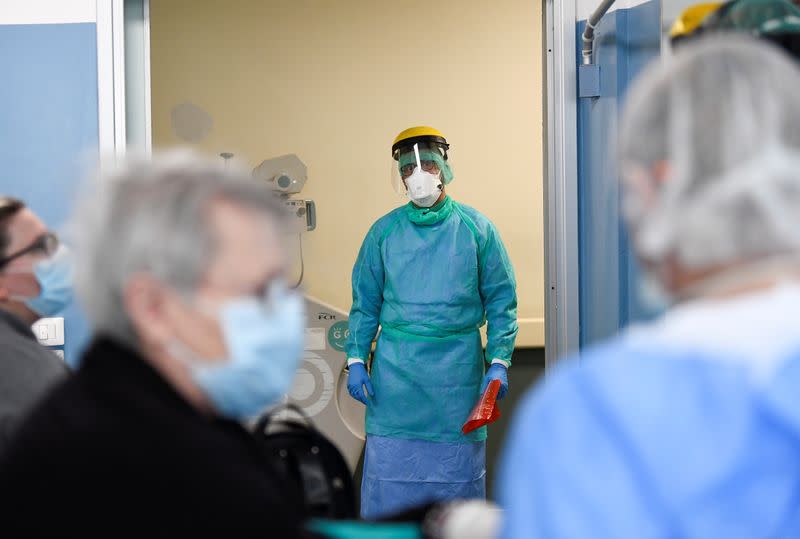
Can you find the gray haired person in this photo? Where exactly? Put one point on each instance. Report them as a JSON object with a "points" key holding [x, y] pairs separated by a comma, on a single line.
{"points": [[180, 268]]}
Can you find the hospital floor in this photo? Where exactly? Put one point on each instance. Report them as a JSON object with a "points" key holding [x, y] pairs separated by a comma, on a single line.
{"points": [[526, 369]]}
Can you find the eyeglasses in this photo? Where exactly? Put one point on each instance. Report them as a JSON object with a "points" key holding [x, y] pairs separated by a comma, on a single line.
{"points": [[46, 244]]}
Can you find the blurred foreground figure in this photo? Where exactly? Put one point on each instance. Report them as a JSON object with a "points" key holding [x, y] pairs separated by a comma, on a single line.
{"points": [[180, 268], [687, 426]]}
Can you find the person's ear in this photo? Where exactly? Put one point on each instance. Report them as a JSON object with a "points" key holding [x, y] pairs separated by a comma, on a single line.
{"points": [[4, 293], [662, 171], [146, 304], [643, 182]]}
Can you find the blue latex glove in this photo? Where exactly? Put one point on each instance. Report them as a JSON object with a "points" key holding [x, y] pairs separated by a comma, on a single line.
{"points": [[496, 372], [356, 382]]}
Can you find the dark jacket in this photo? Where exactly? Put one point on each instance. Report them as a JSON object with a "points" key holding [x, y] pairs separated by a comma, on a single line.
{"points": [[27, 371], [115, 445]]}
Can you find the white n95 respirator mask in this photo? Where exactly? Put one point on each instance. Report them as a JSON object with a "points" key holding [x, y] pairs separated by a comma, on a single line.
{"points": [[424, 188]]}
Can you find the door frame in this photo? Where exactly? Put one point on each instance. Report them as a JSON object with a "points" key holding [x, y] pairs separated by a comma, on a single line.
{"points": [[562, 303], [111, 77]]}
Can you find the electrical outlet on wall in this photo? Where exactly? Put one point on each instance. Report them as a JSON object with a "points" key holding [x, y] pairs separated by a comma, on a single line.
{"points": [[49, 331]]}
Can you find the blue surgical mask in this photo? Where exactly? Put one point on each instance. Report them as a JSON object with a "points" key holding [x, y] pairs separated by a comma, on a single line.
{"points": [[55, 275], [654, 297], [264, 343]]}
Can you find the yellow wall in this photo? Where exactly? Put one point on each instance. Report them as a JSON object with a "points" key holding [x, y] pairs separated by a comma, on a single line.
{"points": [[335, 81]]}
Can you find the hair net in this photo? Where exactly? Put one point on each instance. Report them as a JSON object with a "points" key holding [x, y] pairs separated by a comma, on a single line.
{"points": [[710, 155]]}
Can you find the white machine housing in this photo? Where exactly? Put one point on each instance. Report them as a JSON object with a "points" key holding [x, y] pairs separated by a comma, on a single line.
{"points": [[320, 386]]}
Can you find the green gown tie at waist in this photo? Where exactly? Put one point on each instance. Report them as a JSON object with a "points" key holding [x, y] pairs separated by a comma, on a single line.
{"points": [[396, 331]]}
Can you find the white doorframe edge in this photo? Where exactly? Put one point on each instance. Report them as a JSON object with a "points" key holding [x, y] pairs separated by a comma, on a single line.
{"points": [[148, 125], [562, 306], [111, 78]]}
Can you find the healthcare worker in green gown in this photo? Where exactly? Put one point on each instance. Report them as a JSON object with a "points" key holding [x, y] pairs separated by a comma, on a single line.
{"points": [[429, 275]]}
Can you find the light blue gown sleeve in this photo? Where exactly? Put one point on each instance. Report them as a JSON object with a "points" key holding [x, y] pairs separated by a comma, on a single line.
{"points": [[498, 289], [368, 280], [568, 471]]}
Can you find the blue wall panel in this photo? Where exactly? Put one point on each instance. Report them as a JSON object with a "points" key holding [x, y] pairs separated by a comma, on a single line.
{"points": [[627, 39], [48, 125]]}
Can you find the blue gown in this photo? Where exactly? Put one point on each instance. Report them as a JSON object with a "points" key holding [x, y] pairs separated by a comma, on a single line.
{"points": [[686, 428], [430, 278]]}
